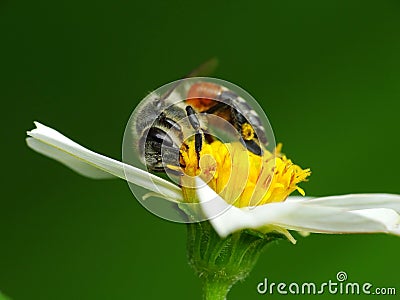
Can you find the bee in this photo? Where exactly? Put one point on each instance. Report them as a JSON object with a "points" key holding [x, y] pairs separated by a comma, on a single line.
{"points": [[161, 124]]}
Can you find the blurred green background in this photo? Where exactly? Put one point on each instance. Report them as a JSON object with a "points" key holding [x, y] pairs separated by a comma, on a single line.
{"points": [[326, 72]]}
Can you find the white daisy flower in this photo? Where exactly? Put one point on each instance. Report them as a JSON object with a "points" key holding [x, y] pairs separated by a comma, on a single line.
{"points": [[277, 211]]}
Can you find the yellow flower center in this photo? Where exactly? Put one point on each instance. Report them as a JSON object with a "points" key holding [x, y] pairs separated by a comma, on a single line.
{"points": [[240, 177]]}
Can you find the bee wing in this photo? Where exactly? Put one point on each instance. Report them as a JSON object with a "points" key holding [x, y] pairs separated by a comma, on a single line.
{"points": [[205, 69]]}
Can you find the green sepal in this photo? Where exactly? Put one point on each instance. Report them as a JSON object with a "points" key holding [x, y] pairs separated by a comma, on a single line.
{"points": [[220, 263]]}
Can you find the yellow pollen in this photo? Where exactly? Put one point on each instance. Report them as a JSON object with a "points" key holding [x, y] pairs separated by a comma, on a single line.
{"points": [[247, 132], [240, 177]]}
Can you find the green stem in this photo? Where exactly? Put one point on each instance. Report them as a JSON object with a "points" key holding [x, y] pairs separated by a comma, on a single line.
{"points": [[215, 290]]}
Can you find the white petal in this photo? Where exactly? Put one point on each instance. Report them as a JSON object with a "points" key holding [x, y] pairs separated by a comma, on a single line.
{"points": [[389, 217], [53, 144], [293, 215], [299, 198], [357, 201]]}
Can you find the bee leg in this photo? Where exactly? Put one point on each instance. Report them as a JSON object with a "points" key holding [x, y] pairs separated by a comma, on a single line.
{"points": [[220, 106], [250, 142], [198, 144], [253, 147], [198, 137], [194, 121]]}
